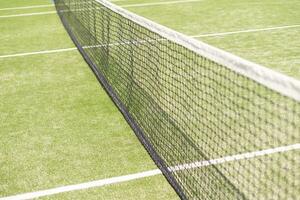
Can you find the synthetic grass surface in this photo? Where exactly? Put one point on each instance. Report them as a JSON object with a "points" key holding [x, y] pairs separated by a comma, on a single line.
{"points": [[32, 33], [58, 126], [19, 3]]}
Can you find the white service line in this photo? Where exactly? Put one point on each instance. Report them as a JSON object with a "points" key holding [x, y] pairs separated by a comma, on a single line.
{"points": [[243, 156], [120, 179], [245, 31], [195, 36], [98, 183], [123, 6], [38, 52], [28, 14], [27, 7]]}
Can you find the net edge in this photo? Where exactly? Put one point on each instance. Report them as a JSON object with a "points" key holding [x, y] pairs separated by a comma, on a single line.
{"points": [[275, 81]]}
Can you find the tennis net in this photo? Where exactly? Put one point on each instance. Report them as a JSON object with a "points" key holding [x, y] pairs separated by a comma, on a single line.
{"points": [[217, 126]]}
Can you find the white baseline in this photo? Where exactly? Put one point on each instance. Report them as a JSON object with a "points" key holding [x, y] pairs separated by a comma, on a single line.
{"points": [[120, 179]]}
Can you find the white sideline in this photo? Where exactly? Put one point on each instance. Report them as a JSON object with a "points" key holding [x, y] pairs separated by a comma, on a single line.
{"points": [[194, 36], [120, 179], [123, 6]]}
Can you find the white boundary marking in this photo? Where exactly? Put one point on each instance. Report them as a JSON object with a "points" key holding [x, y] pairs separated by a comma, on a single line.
{"points": [[195, 36], [27, 14], [243, 156], [123, 6], [52, 5], [98, 183], [27, 7], [158, 3], [246, 31], [120, 179], [39, 6], [38, 52]]}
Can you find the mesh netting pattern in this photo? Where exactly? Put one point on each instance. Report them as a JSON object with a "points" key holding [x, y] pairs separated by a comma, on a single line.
{"points": [[214, 133]]}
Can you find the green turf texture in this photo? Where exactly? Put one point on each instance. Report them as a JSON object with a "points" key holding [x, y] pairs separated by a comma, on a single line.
{"points": [[61, 128], [58, 126], [31, 33], [22, 3]]}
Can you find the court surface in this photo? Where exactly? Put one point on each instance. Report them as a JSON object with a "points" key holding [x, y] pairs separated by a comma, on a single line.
{"points": [[58, 127]]}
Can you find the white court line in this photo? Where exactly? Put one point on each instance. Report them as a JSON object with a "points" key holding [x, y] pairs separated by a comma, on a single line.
{"points": [[28, 7], [51, 5], [120, 179], [158, 3], [195, 36], [40, 6], [82, 186], [27, 14], [243, 156], [245, 31], [38, 52], [123, 6]]}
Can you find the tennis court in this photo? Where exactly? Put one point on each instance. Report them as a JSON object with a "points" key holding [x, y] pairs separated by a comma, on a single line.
{"points": [[62, 136]]}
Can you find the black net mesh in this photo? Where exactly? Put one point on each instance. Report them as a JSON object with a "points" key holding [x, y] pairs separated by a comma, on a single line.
{"points": [[214, 133]]}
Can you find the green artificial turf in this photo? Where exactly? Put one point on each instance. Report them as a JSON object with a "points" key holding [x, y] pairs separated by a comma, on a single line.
{"points": [[32, 33], [22, 3], [59, 127]]}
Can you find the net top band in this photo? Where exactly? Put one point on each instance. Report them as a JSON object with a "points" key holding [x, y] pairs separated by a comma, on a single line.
{"points": [[276, 81]]}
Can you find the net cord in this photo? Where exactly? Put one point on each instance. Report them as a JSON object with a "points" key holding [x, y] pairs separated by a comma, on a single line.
{"points": [[275, 81]]}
